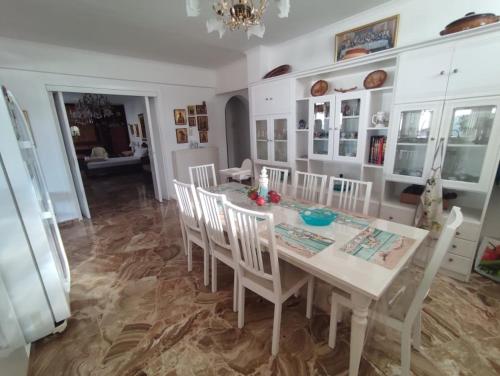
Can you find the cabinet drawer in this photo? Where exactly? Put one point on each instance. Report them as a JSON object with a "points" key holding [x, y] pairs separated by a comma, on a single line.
{"points": [[468, 231], [399, 215], [465, 248], [457, 264]]}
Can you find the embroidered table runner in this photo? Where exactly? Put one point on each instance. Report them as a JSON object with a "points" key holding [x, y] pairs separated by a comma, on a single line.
{"points": [[378, 246], [304, 242]]}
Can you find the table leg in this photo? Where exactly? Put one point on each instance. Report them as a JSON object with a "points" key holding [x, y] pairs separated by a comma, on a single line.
{"points": [[359, 322]]}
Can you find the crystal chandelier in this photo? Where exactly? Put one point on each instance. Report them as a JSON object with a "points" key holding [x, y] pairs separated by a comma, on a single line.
{"points": [[244, 15], [91, 108]]}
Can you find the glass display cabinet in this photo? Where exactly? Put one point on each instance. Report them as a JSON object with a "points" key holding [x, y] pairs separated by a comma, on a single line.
{"points": [[271, 139], [321, 127]]}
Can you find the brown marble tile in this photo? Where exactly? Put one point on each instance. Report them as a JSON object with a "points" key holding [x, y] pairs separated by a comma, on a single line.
{"points": [[137, 311]]}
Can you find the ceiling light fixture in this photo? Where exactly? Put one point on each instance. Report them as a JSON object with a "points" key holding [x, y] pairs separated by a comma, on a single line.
{"points": [[244, 15]]}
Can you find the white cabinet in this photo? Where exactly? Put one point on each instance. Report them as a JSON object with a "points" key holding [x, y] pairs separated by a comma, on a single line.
{"points": [[271, 98], [271, 139], [321, 120]]}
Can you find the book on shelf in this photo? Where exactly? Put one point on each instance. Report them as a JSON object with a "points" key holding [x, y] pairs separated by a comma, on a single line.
{"points": [[377, 150]]}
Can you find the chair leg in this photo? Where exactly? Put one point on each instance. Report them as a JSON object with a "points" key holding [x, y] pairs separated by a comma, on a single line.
{"points": [[405, 351], [214, 273], [276, 329], [310, 296], [416, 336], [206, 267], [184, 238], [241, 305], [235, 292], [190, 255], [335, 310]]}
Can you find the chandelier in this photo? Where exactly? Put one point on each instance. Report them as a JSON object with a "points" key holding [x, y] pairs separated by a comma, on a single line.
{"points": [[244, 15], [91, 108]]}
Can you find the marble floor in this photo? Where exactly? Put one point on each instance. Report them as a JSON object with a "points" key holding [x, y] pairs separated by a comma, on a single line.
{"points": [[137, 311]]}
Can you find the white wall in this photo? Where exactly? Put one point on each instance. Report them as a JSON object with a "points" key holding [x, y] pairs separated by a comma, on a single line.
{"points": [[232, 77], [420, 20], [27, 68]]}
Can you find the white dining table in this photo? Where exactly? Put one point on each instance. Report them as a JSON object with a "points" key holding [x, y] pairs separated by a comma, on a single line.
{"points": [[364, 281]]}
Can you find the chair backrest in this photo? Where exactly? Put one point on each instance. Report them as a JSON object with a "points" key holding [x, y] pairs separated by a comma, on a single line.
{"points": [[189, 206], [246, 229], [455, 219], [203, 176], [349, 194], [278, 179], [212, 206], [247, 164], [308, 186]]}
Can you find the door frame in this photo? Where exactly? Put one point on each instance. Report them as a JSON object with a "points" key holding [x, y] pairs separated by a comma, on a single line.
{"points": [[153, 144]]}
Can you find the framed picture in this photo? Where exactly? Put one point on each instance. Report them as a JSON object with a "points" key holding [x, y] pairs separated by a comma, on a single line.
{"points": [[142, 124], [203, 137], [488, 259], [180, 116], [376, 36], [203, 123], [192, 121], [136, 130], [182, 135], [191, 110], [131, 129], [201, 109]]}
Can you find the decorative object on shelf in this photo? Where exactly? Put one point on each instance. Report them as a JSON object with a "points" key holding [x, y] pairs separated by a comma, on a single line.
{"points": [[373, 37], [488, 259], [181, 135], [375, 79], [318, 217], [319, 88], [191, 110], [201, 109], [180, 116], [379, 119], [470, 21], [263, 182], [340, 90], [346, 110], [92, 108], [377, 150], [203, 137], [192, 121], [202, 123], [302, 124], [75, 131], [355, 52], [278, 71], [244, 15]]}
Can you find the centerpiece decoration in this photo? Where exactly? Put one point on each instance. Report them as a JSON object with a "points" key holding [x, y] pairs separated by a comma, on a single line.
{"points": [[261, 194], [318, 216]]}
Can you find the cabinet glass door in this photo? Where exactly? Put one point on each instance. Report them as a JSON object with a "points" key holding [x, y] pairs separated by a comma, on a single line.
{"points": [[469, 131], [412, 142], [262, 139], [280, 140], [348, 127], [321, 126]]}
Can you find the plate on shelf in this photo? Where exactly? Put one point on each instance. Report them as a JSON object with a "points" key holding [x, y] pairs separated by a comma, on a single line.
{"points": [[375, 79], [319, 88], [278, 71]]}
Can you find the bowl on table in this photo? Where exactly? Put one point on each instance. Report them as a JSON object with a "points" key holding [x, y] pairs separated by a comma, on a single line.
{"points": [[318, 217]]}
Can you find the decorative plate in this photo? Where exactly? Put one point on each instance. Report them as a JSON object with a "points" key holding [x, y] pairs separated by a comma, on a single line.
{"points": [[355, 52], [278, 71], [319, 88], [375, 79]]}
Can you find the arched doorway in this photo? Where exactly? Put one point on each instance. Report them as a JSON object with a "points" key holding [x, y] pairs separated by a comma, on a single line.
{"points": [[237, 130]]}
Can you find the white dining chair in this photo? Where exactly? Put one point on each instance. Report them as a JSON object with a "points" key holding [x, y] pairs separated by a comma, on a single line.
{"points": [[349, 194], [261, 271], [408, 322], [278, 179], [213, 215], [203, 175], [194, 227], [308, 186], [239, 174]]}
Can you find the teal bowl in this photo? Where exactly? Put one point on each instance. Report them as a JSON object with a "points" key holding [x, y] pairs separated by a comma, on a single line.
{"points": [[318, 217]]}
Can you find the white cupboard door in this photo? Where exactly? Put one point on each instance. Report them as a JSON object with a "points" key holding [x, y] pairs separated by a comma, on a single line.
{"points": [[471, 130], [271, 98], [350, 126], [412, 141], [475, 69], [321, 110], [423, 74], [262, 140], [280, 139]]}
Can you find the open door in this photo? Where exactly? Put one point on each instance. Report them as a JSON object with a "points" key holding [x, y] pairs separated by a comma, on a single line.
{"points": [[153, 145], [71, 153]]}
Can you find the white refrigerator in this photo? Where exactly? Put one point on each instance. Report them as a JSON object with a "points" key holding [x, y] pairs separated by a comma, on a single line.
{"points": [[34, 270]]}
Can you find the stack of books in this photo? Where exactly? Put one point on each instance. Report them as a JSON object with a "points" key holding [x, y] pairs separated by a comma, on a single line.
{"points": [[377, 150]]}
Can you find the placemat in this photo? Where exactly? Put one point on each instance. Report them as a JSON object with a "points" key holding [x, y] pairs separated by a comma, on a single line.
{"points": [[294, 205], [302, 241], [352, 221], [378, 246]]}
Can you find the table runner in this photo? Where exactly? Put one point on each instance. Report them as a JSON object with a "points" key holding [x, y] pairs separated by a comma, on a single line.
{"points": [[302, 241], [378, 246]]}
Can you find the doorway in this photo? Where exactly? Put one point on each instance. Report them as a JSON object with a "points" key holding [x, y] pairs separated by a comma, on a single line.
{"points": [[237, 130], [110, 145]]}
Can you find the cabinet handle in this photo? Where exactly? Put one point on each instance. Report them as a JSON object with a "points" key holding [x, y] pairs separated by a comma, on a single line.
{"points": [[433, 138], [455, 71], [391, 218], [450, 259], [454, 246], [270, 98], [457, 233], [442, 73]]}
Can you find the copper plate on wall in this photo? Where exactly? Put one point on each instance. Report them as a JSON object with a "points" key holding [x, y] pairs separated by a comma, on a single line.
{"points": [[469, 21], [278, 71], [375, 79], [319, 88]]}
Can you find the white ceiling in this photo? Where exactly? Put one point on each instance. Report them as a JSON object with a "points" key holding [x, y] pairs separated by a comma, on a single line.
{"points": [[159, 29]]}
